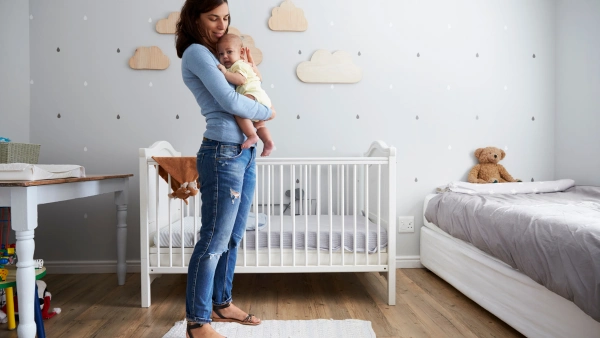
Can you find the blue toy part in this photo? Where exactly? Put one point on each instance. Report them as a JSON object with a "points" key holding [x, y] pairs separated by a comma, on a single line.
{"points": [[4, 139]]}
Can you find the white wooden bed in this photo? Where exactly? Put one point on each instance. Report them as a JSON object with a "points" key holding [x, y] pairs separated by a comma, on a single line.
{"points": [[507, 293], [332, 191]]}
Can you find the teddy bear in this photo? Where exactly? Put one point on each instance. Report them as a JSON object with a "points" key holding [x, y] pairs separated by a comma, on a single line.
{"points": [[186, 190], [488, 170]]}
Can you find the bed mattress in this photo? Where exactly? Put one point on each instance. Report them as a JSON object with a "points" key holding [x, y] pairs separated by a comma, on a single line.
{"points": [[301, 235], [554, 238]]}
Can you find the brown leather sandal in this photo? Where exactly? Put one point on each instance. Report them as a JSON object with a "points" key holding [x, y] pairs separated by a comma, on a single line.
{"points": [[245, 321], [191, 326]]}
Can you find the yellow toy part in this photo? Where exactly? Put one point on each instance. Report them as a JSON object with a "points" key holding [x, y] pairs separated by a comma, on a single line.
{"points": [[3, 274]]}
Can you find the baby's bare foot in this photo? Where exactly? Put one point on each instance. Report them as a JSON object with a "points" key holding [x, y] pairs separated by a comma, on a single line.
{"points": [[267, 148], [251, 140], [205, 331]]}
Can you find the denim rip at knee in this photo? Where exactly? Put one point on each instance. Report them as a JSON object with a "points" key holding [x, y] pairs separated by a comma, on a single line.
{"points": [[227, 177]]}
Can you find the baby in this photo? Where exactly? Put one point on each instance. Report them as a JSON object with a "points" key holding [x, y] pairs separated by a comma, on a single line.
{"points": [[241, 74]]}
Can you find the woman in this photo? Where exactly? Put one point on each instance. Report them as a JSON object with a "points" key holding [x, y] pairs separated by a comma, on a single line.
{"points": [[227, 173]]}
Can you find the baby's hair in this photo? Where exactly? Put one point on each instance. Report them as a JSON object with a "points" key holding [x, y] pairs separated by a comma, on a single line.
{"points": [[231, 38]]}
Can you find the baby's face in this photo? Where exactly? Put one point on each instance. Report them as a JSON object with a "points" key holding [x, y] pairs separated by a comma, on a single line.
{"points": [[229, 53]]}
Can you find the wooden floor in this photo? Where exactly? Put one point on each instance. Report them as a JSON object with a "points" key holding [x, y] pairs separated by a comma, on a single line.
{"points": [[426, 306]]}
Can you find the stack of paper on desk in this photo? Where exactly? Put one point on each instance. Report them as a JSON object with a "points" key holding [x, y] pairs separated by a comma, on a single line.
{"points": [[34, 172]]}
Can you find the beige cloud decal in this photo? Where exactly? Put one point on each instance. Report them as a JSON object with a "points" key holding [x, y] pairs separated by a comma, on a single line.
{"points": [[288, 17], [167, 26], [149, 58], [326, 67], [248, 41]]}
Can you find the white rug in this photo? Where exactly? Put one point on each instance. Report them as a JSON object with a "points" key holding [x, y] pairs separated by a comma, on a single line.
{"points": [[349, 328]]}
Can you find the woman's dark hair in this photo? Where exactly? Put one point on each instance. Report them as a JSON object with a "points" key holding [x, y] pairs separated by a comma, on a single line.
{"points": [[188, 31]]}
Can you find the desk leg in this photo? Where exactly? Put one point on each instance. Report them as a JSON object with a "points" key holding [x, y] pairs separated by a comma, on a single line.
{"points": [[25, 283], [121, 242], [24, 221]]}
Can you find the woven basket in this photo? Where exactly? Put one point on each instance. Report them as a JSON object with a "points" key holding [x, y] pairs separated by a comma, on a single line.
{"points": [[11, 152]]}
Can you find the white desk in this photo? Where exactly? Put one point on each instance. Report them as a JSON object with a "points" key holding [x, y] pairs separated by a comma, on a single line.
{"points": [[23, 197]]}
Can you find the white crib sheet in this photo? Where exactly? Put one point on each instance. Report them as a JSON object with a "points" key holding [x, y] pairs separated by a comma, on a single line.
{"points": [[301, 222]]}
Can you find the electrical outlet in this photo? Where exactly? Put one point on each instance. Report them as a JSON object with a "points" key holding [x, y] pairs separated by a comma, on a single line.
{"points": [[406, 224]]}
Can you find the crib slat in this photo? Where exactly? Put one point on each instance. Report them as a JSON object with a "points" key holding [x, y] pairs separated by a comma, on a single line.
{"points": [[318, 215], [310, 187], [367, 214], [379, 214], [293, 211], [330, 204], [347, 189], [157, 220], [281, 215], [269, 187], [182, 233], [337, 210], [355, 221], [342, 213], [307, 168], [300, 199], [170, 230], [256, 248]]}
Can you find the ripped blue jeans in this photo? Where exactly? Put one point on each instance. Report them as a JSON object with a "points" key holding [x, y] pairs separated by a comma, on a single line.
{"points": [[227, 177]]}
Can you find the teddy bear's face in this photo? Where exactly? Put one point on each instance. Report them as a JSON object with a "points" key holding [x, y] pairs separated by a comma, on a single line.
{"points": [[489, 155]]}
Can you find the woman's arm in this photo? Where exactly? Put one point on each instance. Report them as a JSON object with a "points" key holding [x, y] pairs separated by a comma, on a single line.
{"points": [[202, 64]]}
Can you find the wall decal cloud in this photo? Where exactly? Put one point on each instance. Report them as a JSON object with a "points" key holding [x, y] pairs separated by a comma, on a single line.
{"points": [[167, 26], [326, 67], [149, 58], [288, 17]]}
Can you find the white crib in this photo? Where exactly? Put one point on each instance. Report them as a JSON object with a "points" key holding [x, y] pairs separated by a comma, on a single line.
{"points": [[325, 198]]}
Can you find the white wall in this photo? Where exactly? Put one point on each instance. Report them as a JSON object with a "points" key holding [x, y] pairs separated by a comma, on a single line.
{"points": [[14, 70], [578, 91], [504, 97]]}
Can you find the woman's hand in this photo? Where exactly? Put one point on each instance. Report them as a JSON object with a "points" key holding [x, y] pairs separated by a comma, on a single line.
{"points": [[247, 56]]}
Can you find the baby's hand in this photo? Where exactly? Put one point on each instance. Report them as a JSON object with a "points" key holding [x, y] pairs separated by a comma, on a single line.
{"points": [[222, 68]]}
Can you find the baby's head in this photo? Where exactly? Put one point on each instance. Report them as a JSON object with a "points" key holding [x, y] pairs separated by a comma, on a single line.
{"points": [[229, 49]]}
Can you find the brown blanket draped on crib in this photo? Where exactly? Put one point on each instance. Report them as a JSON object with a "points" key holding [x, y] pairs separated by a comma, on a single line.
{"points": [[184, 175]]}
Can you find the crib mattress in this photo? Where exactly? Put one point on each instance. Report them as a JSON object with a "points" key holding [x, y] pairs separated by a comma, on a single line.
{"points": [[305, 234]]}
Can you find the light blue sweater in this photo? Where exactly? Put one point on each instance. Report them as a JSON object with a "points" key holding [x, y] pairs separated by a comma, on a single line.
{"points": [[217, 97]]}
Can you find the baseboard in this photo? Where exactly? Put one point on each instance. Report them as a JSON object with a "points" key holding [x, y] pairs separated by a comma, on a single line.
{"points": [[89, 267], [408, 262]]}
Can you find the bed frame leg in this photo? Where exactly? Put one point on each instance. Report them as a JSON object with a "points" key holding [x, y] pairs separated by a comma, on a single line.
{"points": [[391, 279]]}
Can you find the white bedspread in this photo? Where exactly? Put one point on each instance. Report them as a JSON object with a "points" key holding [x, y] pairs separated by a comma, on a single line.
{"points": [[34, 172]]}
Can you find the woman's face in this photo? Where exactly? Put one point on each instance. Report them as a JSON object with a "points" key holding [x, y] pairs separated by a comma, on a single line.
{"points": [[214, 23]]}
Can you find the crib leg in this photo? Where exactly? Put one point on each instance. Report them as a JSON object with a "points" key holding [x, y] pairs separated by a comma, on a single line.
{"points": [[145, 283], [391, 279]]}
